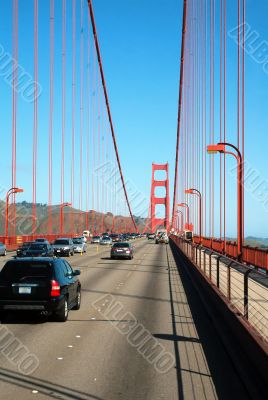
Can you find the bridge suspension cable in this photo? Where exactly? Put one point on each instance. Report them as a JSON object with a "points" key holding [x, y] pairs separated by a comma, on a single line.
{"points": [[108, 108]]}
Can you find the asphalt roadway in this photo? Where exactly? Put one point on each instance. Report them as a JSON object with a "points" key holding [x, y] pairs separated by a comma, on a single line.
{"points": [[141, 333]]}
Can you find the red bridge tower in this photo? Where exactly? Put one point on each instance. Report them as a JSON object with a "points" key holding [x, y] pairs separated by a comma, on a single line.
{"points": [[155, 222]]}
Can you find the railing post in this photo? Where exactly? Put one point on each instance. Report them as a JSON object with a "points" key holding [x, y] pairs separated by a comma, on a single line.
{"points": [[229, 280], [246, 293], [218, 272], [204, 260], [200, 251], [210, 265]]}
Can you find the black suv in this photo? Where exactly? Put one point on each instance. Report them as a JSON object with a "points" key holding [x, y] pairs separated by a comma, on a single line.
{"points": [[40, 284], [38, 250], [23, 248]]}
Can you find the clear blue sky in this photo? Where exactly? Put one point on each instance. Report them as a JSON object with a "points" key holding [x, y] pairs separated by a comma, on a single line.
{"points": [[140, 45]]}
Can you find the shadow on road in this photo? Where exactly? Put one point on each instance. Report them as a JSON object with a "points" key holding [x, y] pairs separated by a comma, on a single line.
{"points": [[227, 383], [175, 338], [52, 390]]}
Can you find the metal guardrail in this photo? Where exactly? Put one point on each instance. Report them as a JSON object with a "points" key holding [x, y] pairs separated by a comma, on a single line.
{"points": [[245, 288]]}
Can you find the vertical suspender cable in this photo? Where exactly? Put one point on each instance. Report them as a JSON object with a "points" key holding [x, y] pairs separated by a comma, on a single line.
{"points": [[238, 72], [93, 139], [63, 100], [212, 16], [98, 146], [73, 107], [108, 107], [88, 129], [243, 108], [14, 109], [81, 108], [204, 115], [51, 110], [221, 79], [179, 110], [35, 121], [224, 127]]}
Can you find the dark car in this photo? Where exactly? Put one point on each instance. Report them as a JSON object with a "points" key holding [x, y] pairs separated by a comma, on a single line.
{"points": [[124, 237], [63, 247], [41, 284], [38, 250], [115, 237], [23, 248], [122, 250]]}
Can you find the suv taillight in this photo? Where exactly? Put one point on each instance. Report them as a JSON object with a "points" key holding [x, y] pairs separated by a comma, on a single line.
{"points": [[55, 289]]}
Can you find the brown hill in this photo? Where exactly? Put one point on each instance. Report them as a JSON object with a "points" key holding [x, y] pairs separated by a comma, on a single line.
{"points": [[75, 221]]}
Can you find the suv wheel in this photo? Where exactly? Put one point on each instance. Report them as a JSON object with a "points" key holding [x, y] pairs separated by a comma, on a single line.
{"points": [[78, 300], [62, 314]]}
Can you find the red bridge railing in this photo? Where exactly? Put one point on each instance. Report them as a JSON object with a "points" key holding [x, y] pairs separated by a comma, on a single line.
{"points": [[13, 242], [251, 255]]}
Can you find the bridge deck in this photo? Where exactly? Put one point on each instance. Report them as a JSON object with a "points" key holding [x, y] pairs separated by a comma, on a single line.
{"points": [[149, 289]]}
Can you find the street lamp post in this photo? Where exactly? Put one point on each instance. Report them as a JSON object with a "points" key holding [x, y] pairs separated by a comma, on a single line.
{"points": [[221, 148], [61, 215], [180, 226], [187, 212], [197, 193], [10, 191]]}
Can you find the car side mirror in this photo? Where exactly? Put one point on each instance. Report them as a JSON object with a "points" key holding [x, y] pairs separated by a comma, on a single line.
{"points": [[76, 272]]}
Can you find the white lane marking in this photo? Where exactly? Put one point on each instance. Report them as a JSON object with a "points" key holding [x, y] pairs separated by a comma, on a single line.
{"points": [[59, 358], [35, 391], [93, 318], [70, 346], [77, 336], [129, 273]]}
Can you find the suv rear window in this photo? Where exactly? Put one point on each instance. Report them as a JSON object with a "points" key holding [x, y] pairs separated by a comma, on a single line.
{"points": [[18, 271], [61, 242], [38, 247], [121, 245]]}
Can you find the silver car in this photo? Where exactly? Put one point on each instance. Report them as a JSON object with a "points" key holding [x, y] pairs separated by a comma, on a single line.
{"points": [[106, 241], [3, 250], [79, 245], [95, 239], [63, 247]]}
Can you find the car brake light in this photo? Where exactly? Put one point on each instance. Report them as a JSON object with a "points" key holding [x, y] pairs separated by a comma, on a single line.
{"points": [[55, 289]]}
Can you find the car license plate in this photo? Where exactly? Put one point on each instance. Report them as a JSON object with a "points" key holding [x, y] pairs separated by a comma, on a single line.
{"points": [[58, 251], [25, 290], [119, 250]]}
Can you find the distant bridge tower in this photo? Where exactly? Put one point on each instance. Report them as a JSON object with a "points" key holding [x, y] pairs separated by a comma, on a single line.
{"points": [[155, 222]]}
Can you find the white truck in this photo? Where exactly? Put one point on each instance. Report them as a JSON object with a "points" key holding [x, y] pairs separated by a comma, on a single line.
{"points": [[161, 236]]}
